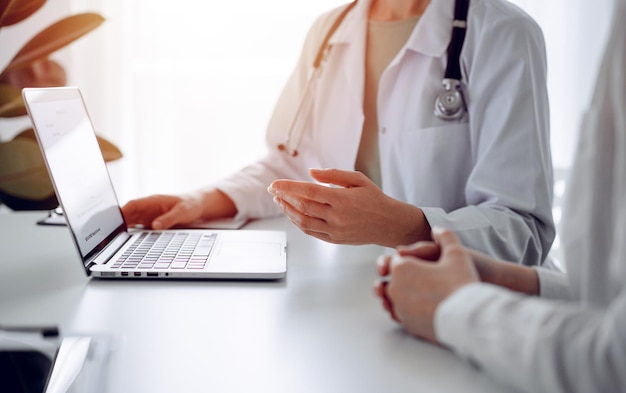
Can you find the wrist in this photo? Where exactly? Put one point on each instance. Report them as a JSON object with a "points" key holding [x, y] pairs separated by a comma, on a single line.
{"points": [[216, 204], [519, 278], [412, 226], [509, 275]]}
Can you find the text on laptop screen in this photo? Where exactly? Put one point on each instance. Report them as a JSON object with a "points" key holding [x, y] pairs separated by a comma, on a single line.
{"points": [[88, 200]]}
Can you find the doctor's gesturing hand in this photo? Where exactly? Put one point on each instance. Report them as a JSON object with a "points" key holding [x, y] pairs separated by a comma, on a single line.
{"points": [[356, 212]]}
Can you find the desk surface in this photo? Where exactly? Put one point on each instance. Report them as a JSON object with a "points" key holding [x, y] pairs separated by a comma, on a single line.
{"points": [[319, 330]]}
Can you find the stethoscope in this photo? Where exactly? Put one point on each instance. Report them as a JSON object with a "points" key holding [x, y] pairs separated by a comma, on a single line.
{"points": [[449, 103]]}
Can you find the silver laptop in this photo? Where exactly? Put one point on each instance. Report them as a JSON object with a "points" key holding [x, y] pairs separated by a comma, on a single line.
{"points": [[107, 248]]}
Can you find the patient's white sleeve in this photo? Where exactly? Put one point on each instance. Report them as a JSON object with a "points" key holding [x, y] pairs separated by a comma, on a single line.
{"points": [[537, 345]]}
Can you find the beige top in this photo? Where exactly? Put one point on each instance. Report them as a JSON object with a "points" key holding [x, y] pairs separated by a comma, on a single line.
{"points": [[384, 41]]}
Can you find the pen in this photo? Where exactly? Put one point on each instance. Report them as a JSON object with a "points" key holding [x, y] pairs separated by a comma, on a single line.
{"points": [[45, 331]]}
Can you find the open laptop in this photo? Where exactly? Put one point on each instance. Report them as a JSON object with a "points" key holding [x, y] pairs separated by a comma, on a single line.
{"points": [[107, 248]]}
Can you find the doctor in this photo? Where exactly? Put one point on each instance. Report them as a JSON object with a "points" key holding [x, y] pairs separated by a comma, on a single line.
{"points": [[361, 102]]}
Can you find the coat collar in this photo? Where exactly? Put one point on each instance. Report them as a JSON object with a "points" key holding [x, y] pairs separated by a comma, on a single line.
{"points": [[431, 36], [434, 30]]}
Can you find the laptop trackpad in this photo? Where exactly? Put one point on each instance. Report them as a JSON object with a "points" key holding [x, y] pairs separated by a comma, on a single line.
{"points": [[249, 249]]}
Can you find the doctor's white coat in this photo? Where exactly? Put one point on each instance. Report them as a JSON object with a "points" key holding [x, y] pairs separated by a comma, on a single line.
{"points": [[488, 176]]}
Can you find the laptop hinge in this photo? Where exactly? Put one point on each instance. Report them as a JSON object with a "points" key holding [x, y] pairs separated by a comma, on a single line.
{"points": [[107, 253]]}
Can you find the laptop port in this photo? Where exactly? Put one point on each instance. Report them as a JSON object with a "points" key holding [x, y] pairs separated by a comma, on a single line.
{"points": [[137, 274], [152, 274], [124, 274]]}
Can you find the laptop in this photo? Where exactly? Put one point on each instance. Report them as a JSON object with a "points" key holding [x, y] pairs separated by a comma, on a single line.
{"points": [[106, 246]]}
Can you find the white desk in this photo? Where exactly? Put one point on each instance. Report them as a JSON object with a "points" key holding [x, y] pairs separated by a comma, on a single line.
{"points": [[319, 330]]}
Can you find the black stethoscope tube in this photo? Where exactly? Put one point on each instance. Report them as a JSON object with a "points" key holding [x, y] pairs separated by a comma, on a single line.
{"points": [[459, 27]]}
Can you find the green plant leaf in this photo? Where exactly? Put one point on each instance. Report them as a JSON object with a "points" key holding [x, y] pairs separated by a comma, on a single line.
{"points": [[11, 103], [53, 38], [14, 11]]}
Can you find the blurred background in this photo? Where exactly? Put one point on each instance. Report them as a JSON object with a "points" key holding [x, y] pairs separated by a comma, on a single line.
{"points": [[185, 88]]}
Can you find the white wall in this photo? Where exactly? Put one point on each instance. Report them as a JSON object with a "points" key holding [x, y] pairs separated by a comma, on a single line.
{"points": [[186, 89], [575, 32]]}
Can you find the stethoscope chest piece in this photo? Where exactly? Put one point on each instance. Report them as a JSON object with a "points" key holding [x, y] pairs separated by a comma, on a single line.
{"points": [[449, 104]]}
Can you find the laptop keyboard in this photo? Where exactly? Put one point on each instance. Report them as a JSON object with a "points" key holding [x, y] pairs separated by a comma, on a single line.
{"points": [[167, 250]]}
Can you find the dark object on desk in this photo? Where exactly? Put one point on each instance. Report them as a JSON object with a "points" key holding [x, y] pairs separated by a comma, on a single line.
{"points": [[26, 357], [24, 371], [55, 217], [17, 203], [36, 359]]}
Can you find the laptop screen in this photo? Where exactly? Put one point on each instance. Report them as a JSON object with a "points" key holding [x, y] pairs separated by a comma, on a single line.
{"points": [[77, 168]]}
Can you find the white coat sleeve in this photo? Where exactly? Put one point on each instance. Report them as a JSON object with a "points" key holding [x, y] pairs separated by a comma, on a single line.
{"points": [[554, 285], [508, 194], [537, 345], [248, 187]]}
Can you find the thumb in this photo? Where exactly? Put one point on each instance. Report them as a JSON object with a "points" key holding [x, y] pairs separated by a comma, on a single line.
{"points": [[445, 238], [451, 247], [338, 177], [429, 251]]}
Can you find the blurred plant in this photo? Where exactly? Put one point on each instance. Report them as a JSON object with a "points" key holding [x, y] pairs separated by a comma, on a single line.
{"points": [[24, 180]]}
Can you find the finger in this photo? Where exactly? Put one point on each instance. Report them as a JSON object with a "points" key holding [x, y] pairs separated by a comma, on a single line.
{"points": [[378, 289], [287, 185], [451, 247], [302, 220], [309, 225], [304, 206], [387, 303], [382, 265], [447, 240], [394, 261], [424, 250], [387, 306], [307, 190], [340, 178]]}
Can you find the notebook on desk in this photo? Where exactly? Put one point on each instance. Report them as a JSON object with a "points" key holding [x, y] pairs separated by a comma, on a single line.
{"points": [[106, 246]]}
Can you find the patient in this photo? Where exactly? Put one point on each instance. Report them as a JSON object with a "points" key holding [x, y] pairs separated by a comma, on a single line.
{"points": [[573, 337]]}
